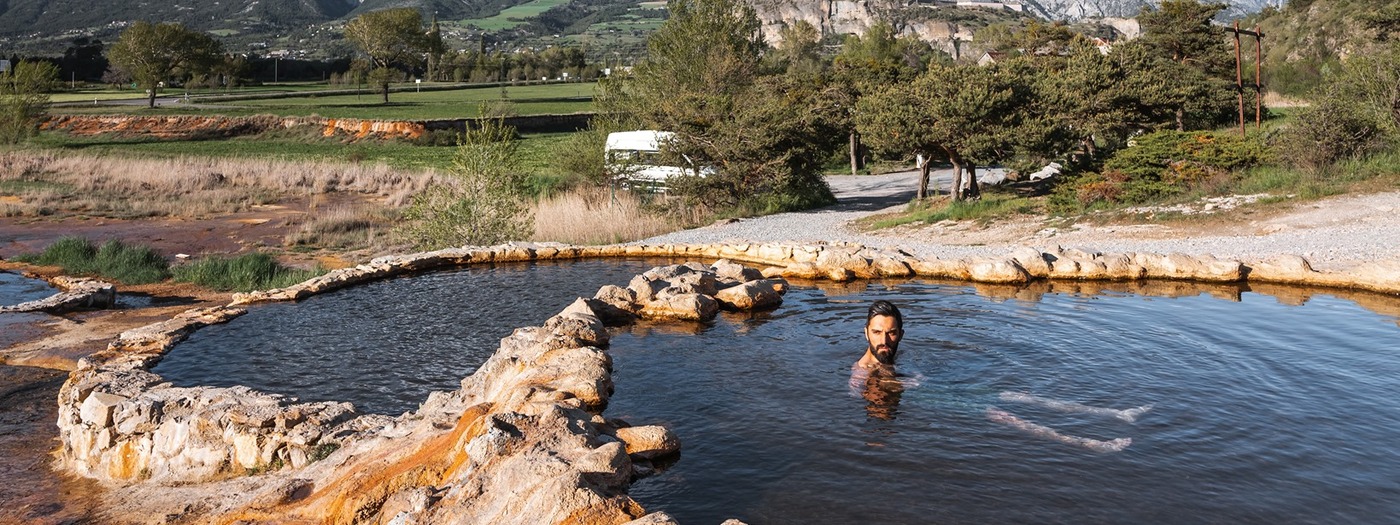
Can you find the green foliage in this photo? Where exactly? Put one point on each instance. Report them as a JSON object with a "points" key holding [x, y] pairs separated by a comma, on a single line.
{"points": [[24, 98], [244, 273], [765, 135], [966, 114], [156, 53], [392, 38], [486, 203], [1161, 165], [1356, 115], [580, 155], [130, 264], [1186, 157]]}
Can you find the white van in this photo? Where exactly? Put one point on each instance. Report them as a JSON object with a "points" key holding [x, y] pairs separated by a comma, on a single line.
{"points": [[634, 158]]}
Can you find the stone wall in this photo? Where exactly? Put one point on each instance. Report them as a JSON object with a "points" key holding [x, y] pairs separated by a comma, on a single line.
{"points": [[524, 439]]}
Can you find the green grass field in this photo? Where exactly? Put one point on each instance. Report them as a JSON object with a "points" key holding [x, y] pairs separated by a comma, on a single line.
{"points": [[510, 17], [542, 99]]}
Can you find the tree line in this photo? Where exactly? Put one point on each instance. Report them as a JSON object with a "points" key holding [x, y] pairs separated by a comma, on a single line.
{"points": [[769, 119]]}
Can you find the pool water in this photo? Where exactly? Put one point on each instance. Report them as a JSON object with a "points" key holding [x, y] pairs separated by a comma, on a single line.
{"points": [[386, 345], [16, 289], [1259, 412]]}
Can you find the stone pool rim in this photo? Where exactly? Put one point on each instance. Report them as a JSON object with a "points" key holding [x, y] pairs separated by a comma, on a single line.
{"points": [[97, 392]]}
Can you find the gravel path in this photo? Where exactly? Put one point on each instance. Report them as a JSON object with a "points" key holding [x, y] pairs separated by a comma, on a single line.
{"points": [[1332, 234]]}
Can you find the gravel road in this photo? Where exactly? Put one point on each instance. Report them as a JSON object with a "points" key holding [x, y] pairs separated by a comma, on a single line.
{"points": [[1333, 233]]}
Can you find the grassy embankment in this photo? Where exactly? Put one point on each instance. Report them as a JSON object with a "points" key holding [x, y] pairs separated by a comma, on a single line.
{"points": [[136, 264]]}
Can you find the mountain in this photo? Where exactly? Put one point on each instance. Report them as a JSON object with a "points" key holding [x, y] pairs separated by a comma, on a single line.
{"points": [[307, 27], [47, 17], [1080, 9]]}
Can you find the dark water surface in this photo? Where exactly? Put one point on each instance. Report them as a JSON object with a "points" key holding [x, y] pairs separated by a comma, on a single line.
{"points": [[1261, 412], [16, 289], [386, 345]]}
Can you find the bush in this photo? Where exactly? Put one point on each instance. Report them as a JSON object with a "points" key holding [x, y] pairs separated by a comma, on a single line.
{"points": [[129, 264], [1332, 131], [1161, 165], [484, 204], [244, 273]]}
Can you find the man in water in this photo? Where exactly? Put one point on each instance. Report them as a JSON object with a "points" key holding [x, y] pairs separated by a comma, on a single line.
{"points": [[884, 327], [873, 375], [874, 378]]}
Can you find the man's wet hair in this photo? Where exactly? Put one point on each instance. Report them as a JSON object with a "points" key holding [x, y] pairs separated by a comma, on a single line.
{"points": [[883, 307]]}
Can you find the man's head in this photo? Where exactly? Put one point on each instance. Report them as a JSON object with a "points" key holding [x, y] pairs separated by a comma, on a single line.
{"points": [[884, 327]]}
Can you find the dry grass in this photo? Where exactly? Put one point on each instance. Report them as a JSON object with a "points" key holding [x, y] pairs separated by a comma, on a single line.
{"points": [[345, 227], [48, 182], [594, 216]]}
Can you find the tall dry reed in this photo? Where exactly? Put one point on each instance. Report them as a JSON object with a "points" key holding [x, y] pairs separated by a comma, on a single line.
{"points": [[192, 186], [597, 216]]}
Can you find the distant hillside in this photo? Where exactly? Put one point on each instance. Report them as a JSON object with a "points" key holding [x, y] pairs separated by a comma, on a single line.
{"points": [[310, 28], [1079, 9], [1307, 37], [34, 17]]}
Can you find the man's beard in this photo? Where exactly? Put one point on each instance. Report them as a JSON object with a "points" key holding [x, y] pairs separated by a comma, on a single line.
{"points": [[884, 358]]}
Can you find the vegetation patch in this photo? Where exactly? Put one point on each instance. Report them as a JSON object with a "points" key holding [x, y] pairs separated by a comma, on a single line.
{"points": [[243, 273], [126, 263]]}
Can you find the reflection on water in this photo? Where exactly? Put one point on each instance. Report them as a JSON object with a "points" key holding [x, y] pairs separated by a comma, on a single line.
{"points": [[16, 289], [1242, 409], [385, 345]]}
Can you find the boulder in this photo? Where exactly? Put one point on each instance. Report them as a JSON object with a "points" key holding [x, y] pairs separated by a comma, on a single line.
{"points": [[656, 518], [624, 299], [749, 296], [1003, 271], [681, 307], [649, 441], [727, 269]]}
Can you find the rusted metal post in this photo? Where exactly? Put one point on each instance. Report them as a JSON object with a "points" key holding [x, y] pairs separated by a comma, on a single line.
{"points": [[1239, 75], [1258, 77]]}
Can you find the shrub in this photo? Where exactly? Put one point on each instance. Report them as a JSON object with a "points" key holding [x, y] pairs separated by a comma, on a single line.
{"points": [[129, 264], [1331, 131], [484, 204], [247, 272], [1162, 164]]}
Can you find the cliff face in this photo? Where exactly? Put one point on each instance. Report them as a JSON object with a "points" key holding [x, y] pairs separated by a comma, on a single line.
{"points": [[842, 17], [1079, 9]]}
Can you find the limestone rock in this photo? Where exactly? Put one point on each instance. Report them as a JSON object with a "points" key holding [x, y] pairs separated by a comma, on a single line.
{"points": [[751, 295], [727, 269], [608, 464], [1283, 269], [682, 307], [97, 409], [621, 298], [998, 272], [1033, 261], [838, 261], [655, 518], [649, 441], [942, 268]]}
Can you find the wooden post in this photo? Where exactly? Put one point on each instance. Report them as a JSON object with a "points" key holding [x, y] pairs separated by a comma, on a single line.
{"points": [[1239, 75]]}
